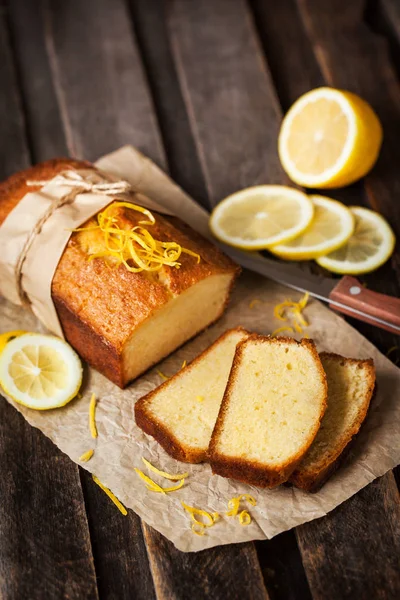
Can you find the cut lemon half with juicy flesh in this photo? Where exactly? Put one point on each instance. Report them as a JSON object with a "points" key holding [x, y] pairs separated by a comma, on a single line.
{"points": [[331, 227], [371, 244], [258, 217], [329, 138], [40, 371]]}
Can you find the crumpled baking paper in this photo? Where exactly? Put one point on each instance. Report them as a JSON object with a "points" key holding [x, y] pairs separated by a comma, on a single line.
{"points": [[121, 444]]}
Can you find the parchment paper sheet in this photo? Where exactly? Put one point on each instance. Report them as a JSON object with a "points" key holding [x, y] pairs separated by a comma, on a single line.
{"points": [[121, 444]]}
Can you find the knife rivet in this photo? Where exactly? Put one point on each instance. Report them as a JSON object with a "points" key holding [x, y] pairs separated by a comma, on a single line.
{"points": [[355, 290]]}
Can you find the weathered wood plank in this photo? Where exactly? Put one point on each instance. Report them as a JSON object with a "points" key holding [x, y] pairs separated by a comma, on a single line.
{"points": [[349, 554], [98, 78], [40, 104], [149, 20], [114, 90], [45, 549], [233, 108], [119, 549], [291, 59], [217, 573]]}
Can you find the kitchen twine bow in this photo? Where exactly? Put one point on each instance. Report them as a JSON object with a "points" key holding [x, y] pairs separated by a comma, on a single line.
{"points": [[77, 185]]}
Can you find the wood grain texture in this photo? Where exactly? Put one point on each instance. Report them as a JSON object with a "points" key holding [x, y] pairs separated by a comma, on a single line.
{"points": [[233, 108], [149, 22], [99, 79], [43, 119], [45, 549], [119, 551], [352, 554], [217, 573]]}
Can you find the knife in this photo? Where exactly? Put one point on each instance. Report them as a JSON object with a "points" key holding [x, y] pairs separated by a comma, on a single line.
{"points": [[347, 295]]}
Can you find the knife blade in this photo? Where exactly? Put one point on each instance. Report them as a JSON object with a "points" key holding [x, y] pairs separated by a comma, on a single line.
{"points": [[318, 286]]}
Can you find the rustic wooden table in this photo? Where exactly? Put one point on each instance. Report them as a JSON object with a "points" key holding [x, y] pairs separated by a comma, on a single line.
{"points": [[200, 86]]}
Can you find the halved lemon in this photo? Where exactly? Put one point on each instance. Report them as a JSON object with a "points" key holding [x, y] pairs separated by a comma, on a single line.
{"points": [[40, 371], [329, 138], [259, 217], [9, 335], [331, 227], [371, 244]]}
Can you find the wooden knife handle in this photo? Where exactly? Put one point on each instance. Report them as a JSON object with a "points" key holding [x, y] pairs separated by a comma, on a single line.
{"points": [[350, 292]]}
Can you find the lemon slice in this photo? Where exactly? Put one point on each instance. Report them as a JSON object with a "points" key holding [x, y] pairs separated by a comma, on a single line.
{"points": [[7, 336], [370, 246], [40, 371], [331, 227], [258, 217], [329, 138]]}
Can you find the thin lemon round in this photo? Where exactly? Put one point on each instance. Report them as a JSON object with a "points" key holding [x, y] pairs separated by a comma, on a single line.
{"points": [[332, 225], [259, 217], [40, 371], [7, 336], [329, 138], [370, 246]]}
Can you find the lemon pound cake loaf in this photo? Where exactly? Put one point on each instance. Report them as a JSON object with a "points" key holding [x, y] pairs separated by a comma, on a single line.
{"points": [[120, 318], [271, 411], [350, 387], [181, 413]]}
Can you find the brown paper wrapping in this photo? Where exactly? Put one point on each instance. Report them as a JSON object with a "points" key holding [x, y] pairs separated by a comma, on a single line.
{"points": [[121, 444]]}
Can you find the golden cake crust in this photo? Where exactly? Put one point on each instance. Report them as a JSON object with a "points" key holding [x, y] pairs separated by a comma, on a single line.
{"points": [[100, 307]]}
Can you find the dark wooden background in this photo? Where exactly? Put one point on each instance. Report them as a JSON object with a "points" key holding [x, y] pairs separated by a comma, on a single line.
{"points": [[200, 86]]}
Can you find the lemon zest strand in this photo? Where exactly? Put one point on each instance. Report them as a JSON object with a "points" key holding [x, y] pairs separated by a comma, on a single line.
{"points": [[112, 496], [176, 477], [86, 455], [248, 499], [152, 484], [183, 364], [216, 516], [282, 329], [92, 416], [161, 374], [198, 511], [136, 244], [233, 504], [392, 350], [198, 528], [244, 518]]}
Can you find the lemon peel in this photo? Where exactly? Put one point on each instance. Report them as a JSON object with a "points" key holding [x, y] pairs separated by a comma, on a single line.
{"points": [[112, 496], [198, 529], [183, 364], [170, 476], [202, 513], [234, 505], [136, 245], [86, 455], [92, 416], [152, 485], [7, 336], [161, 374], [294, 309], [244, 518]]}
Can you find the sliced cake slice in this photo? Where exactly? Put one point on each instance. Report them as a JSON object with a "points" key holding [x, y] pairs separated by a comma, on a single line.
{"points": [[271, 411], [350, 387], [181, 413]]}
